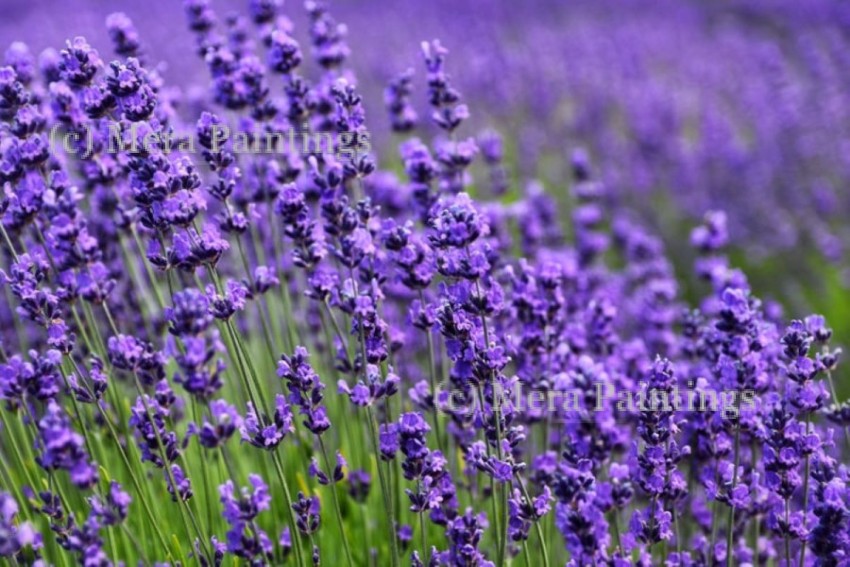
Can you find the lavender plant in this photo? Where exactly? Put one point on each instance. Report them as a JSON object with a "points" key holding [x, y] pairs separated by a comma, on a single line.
{"points": [[512, 385]]}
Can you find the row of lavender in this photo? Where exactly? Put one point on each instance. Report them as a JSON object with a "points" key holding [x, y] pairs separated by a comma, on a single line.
{"points": [[699, 105], [740, 105], [159, 404]]}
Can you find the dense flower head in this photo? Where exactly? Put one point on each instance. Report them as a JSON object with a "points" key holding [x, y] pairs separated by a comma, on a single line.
{"points": [[114, 508], [284, 53], [79, 62], [464, 534], [403, 114], [307, 512], [200, 371], [244, 539], [157, 443], [179, 485], [456, 224], [39, 377], [15, 536], [266, 433], [190, 314], [129, 353], [305, 389], [63, 448], [225, 421], [124, 36]]}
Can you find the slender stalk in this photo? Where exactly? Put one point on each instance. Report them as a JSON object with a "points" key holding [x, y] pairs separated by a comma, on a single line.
{"points": [[807, 470], [537, 527], [290, 512], [731, 535], [502, 522], [424, 536], [432, 376], [615, 522], [265, 326], [834, 393], [757, 519], [787, 535], [151, 275], [291, 334], [335, 499], [498, 533], [136, 484], [52, 481], [16, 450], [8, 242], [714, 514], [181, 504], [196, 415], [384, 488], [136, 543]]}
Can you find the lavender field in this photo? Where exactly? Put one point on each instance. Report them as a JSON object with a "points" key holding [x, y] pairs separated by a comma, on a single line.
{"points": [[424, 283]]}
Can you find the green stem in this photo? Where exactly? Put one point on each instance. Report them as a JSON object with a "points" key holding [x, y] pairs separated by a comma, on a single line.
{"points": [[502, 522], [537, 527], [493, 501], [432, 376], [335, 499], [731, 535], [181, 504], [425, 551], [266, 332], [136, 484], [787, 535], [805, 496], [384, 487], [296, 542], [834, 393], [615, 522]]}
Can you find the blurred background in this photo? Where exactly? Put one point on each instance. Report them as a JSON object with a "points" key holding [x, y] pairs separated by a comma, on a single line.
{"points": [[684, 106]]}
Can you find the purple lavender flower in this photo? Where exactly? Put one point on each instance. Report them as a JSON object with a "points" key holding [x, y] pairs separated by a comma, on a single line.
{"points": [[523, 513], [305, 390], [39, 378], [403, 116], [181, 488], [265, 433], [63, 448], [284, 53], [114, 509], [307, 513], [828, 537], [129, 353], [122, 32], [157, 443], [448, 113], [79, 62], [15, 536], [359, 485], [245, 539], [334, 476], [225, 421], [657, 475], [464, 533]]}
